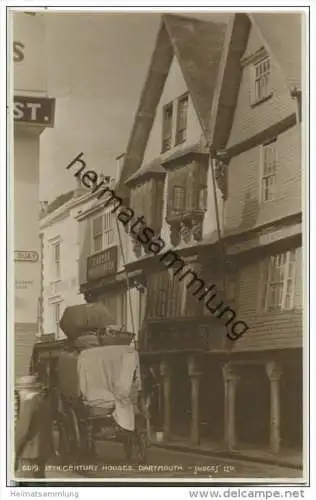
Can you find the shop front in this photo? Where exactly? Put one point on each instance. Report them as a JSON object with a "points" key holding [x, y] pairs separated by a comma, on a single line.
{"points": [[185, 346]]}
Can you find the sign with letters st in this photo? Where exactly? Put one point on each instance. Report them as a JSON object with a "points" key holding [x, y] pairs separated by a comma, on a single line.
{"points": [[34, 110]]}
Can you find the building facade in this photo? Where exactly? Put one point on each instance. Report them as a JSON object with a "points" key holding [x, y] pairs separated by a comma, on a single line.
{"points": [[174, 189], [32, 112], [102, 276], [260, 142], [214, 165], [59, 232]]}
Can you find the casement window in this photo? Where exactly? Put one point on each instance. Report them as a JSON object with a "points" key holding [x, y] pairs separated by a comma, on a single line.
{"points": [[182, 119], [109, 229], [167, 127], [178, 198], [97, 234], [268, 169], [262, 80], [279, 278], [103, 231]]}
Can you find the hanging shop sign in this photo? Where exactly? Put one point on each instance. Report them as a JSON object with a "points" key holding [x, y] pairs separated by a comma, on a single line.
{"points": [[102, 264]]}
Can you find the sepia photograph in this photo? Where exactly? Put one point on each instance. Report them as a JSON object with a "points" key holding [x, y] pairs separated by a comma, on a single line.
{"points": [[159, 253]]}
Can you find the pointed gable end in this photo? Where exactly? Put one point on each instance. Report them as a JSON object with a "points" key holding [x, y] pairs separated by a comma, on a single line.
{"points": [[280, 34], [197, 45]]}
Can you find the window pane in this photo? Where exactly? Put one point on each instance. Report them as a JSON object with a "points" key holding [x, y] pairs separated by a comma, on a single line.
{"points": [[262, 79], [182, 119], [178, 198], [98, 243], [97, 226], [57, 252], [167, 127]]}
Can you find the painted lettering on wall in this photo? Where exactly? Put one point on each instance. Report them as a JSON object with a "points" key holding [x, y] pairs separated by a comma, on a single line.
{"points": [[18, 51]]}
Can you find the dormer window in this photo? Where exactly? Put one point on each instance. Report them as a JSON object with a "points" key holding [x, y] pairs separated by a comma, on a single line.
{"points": [[262, 80], [175, 122], [182, 119], [167, 127]]}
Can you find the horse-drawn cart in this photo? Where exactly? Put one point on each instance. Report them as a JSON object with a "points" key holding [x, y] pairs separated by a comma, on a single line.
{"points": [[97, 394]]}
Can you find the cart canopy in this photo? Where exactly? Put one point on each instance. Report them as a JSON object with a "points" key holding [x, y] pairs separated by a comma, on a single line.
{"points": [[104, 376]]}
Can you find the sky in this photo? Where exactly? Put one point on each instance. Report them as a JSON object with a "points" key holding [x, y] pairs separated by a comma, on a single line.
{"points": [[96, 67]]}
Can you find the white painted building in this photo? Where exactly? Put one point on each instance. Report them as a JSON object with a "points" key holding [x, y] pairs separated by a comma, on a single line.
{"points": [[60, 255], [31, 111]]}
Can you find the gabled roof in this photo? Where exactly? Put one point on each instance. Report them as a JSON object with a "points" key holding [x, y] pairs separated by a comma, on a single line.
{"points": [[281, 37], [197, 45]]}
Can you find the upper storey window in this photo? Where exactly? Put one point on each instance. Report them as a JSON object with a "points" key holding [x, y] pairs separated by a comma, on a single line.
{"points": [[262, 80], [178, 199], [182, 119], [175, 122], [97, 234], [167, 127], [268, 168], [56, 259], [103, 232]]}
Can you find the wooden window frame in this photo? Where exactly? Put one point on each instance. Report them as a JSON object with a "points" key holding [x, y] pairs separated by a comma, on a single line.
{"points": [[56, 305], [57, 261], [261, 79], [290, 257], [181, 133], [266, 175], [97, 235], [174, 208], [166, 133], [108, 229]]}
